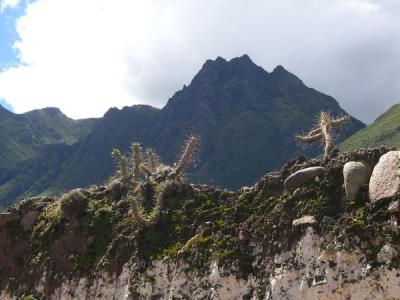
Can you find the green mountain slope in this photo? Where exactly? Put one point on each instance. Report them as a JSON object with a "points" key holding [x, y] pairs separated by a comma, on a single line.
{"points": [[246, 118], [22, 136], [56, 128], [385, 130], [18, 141]]}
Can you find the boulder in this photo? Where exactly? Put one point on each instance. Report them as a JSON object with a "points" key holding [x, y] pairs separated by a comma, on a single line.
{"points": [[306, 220], [355, 174], [302, 176], [385, 178], [7, 217]]}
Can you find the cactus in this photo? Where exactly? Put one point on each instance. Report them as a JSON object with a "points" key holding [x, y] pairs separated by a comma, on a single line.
{"points": [[191, 145], [323, 131], [139, 217], [136, 149], [145, 170], [122, 164], [160, 175], [152, 159]]}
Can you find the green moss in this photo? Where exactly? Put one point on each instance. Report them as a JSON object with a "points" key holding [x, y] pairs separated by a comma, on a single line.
{"points": [[98, 224]]}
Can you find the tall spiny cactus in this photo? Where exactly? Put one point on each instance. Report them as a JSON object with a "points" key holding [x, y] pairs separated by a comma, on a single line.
{"points": [[122, 164], [191, 145], [323, 131], [152, 159], [136, 149], [163, 185]]}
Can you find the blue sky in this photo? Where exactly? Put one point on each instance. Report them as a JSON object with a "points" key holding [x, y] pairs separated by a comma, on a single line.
{"points": [[85, 56], [9, 35]]}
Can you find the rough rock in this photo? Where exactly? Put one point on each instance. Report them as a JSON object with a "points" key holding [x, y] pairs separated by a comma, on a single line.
{"points": [[306, 220], [387, 253], [328, 220], [394, 207], [328, 254], [7, 217], [116, 189], [355, 174], [29, 219], [73, 204], [385, 179], [302, 176]]}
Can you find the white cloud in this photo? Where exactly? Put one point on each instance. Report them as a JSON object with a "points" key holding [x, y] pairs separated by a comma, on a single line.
{"points": [[4, 4], [87, 55]]}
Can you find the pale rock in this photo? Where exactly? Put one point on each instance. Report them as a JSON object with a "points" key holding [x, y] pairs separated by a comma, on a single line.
{"points": [[306, 220], [282, 257], [385, 179], [328, 254], [394, 207], [355, 174], [328, 220], [302, 176], [387, 253]]}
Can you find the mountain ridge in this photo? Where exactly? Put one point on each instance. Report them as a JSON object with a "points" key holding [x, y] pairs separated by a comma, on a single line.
{"points": [[245, 116], [385, 130]]}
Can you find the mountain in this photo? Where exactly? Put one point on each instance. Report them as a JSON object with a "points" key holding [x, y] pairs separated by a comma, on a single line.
{"points": [[6, 105], [246, 118], [385, 130], [56, 128], [22, 136]]}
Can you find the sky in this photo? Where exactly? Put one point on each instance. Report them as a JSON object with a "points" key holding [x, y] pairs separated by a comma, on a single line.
{"points": [[85, 56]]}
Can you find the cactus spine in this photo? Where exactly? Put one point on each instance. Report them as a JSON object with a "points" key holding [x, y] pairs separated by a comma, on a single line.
{"points": [[323, 131]]}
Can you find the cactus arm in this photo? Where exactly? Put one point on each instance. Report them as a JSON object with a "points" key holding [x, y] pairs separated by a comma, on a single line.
{"points": [[122, 163], [309, 139], [315, 131], [152, 160], [137, 160], [190, 147], [145, 170], [340, 121]]}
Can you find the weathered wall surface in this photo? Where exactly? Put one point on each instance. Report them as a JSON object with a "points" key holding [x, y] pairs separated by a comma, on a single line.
{"points": [[307, 272]]}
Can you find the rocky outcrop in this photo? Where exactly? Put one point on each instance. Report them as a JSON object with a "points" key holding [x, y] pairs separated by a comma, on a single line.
{"points": [[7, 217], [302, 176], [306, 220], [29, 219], [385, 178], [208, 243], [355, 174]]}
